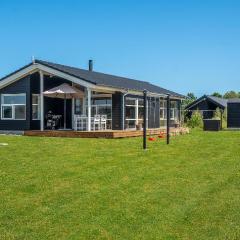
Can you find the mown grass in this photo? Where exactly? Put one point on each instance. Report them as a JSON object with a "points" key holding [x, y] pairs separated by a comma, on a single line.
{"points": [[56, 188]]}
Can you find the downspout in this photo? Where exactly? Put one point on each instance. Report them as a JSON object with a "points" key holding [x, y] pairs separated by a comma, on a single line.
{"points": [[180, 113], [123, 111]]}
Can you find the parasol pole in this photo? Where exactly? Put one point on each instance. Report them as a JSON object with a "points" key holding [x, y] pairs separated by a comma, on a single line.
{"points": [[64, 111]]}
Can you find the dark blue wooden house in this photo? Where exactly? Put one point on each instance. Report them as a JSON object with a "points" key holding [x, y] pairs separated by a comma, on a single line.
{"points": [[120, 100]]}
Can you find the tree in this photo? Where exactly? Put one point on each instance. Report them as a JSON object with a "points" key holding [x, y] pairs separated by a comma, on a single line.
{"points": [[231, 94], [190, 98], [217, 94], [196, 120]]}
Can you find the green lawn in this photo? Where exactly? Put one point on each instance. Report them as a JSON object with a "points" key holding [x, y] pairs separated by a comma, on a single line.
{"points": [[55, 188]]}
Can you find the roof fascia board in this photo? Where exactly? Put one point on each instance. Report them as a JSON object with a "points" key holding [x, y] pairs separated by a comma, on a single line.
{"points": [[17, 76], [64, 76], [36, 67]]}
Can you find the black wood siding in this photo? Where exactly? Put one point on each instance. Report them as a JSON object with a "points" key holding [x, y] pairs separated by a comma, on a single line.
{"points": [[233, 115], [117, 111], [153, 113], [21, 86]]}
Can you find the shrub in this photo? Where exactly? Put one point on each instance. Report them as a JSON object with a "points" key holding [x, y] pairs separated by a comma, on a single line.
{"points": [[217, 114], [220, 113], [224, 124], [196, 120]]}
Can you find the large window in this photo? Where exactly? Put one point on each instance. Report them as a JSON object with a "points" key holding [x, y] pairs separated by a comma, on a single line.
{"points": [[36, 110], [173, 110], [134, 111], [102, 106], [13, 106], [78, 106], [140, 110], [163, 111]]}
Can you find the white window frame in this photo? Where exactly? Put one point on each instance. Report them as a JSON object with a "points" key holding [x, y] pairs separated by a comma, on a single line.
{"points": [[131, 105], [13, 107], [137, 108], [136, 105], [96, 106], [39, 106], [172, 112], [164, 109]]}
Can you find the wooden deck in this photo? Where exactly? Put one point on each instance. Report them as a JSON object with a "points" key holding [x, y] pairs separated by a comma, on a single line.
{"points": [[110, 134]]}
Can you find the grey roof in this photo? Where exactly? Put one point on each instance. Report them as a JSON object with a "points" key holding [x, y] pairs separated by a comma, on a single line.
{"points": [[221, 102], [107, 80], [103, 79], [234, 100]]}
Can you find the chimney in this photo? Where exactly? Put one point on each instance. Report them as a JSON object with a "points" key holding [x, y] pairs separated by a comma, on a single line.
{"points": [[33, 60], [90, 65]]}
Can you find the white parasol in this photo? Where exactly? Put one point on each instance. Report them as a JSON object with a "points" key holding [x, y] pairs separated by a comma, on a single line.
{"points": [[64, 91]]}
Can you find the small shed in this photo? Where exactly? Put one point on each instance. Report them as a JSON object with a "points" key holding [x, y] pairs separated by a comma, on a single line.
{"points": [[207, 105], [233, 113]]}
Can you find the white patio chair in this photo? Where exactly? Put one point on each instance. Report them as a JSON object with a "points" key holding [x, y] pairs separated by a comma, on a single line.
{"points": [[103, 122], [80, 123], [83, 122], [76, 122], [96, 122]]}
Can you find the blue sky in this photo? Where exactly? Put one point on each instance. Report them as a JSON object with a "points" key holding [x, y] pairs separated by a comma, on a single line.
{"points": [[185, 46]]}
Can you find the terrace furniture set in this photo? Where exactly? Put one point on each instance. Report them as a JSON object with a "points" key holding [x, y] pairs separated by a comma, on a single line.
{"points": [[98, 122], [53, 121]]}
